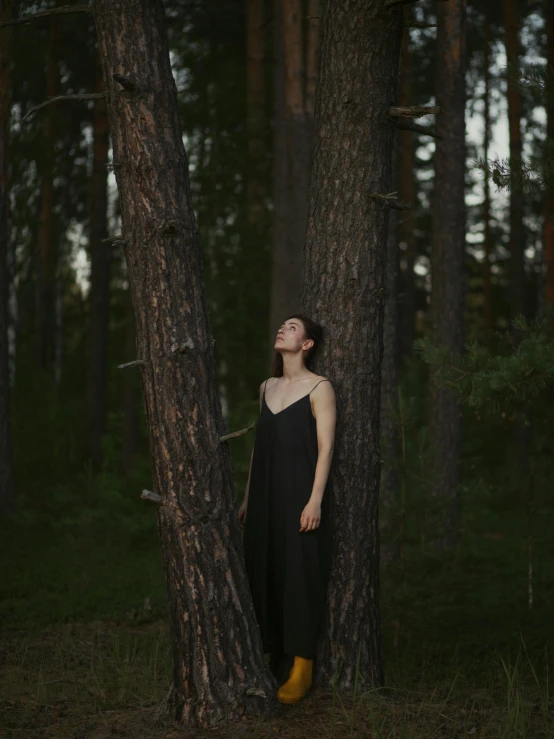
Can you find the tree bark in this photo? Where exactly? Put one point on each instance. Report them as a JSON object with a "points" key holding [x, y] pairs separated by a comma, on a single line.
{"points": [[447, 260], [130, 395], [487, 233], [344, 290], [515, 107], [549, 197], [46, 270], [219, 673], [407, 193], [99, 277], [6, 467]]}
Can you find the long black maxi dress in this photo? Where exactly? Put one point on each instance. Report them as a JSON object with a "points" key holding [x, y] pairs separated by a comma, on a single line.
{"points": [[287, 569]]}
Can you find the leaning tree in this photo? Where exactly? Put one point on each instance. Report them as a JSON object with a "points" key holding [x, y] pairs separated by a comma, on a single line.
{"points": [[219, 673]]}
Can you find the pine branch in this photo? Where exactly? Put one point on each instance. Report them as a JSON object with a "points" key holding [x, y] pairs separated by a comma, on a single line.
{"points": [[391, 200], [45, 13], [77, 96], [416, 128], [413, 111]]}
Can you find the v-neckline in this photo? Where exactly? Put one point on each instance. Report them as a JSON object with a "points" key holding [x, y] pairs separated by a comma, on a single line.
{"points": [[288, 406]]}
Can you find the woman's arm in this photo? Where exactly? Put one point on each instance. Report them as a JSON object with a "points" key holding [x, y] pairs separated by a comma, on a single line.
{"points": [[245, 499], [324, 406]]}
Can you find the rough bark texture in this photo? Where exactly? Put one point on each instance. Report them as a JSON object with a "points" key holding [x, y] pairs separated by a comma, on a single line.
{"points": [[407, 193], [99, 278], [215, 642], [447, 260], [6, 470], [46, 270], [389, 489], [312, 56], [344, 289], [487, 234], [549, 198], [515, 107]]}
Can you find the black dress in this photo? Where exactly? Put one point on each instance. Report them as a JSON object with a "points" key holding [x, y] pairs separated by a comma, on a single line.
{"points": [[287, 569]]}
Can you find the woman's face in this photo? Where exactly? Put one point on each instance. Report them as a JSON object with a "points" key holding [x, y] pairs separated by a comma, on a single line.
{"points": [[291, 336]]}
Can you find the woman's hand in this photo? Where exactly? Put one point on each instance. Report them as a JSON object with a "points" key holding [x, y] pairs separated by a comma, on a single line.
{"points": [[311, 516], [242, 512]]}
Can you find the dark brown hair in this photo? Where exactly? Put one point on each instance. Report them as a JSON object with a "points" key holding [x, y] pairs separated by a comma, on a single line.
{"points": [[312, 330]]}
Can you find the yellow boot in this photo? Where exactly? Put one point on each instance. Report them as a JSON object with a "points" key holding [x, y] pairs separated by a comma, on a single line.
{"points": [[299, 682]]}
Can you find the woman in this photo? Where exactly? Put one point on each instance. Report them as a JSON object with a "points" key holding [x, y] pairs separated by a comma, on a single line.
{"points": [[285, 512]]}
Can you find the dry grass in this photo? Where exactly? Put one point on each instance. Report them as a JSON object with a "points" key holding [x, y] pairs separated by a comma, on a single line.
{"points": [[107, 679]]}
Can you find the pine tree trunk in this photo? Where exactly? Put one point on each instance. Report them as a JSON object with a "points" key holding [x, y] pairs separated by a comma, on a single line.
{"points": [[130, 395], [278, 301], [344, 289], [255, 46], [407, 193], [99, 278], [219, 673], [296, 72], [549, 198], [447, 260], [515, 106], [6, 469], [487, 235], [46, 270]]}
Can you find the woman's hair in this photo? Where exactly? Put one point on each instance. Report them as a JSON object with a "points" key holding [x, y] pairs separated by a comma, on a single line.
{"points": [[313, 331]]}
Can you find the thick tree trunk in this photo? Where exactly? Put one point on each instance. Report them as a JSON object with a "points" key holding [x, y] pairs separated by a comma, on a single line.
{"points": [[6, 470], [130, 395], [407, 193], [99, 278], [312, 58], [219, 673], [549, 198], [487, 233], [46, 270], [344, 289], [515, 106], [447, 260]]}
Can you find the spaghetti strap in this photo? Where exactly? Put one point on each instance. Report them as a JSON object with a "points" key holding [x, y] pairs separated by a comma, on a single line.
{"points": [[314, 387], [264, 387]]}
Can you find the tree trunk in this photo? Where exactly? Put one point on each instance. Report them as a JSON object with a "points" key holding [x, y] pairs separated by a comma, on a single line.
{"points": [[219, 673], [447, 260], [293, 124], [407, 193], [6, 469], [549, 198], [487, 235], [255, 114], [130, 394], [99, 278], [46, 271], [515, 105], [344, 289], [278, 304]]}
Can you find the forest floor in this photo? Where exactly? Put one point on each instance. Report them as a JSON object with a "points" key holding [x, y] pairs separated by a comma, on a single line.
{"points": [[84, 643], [107, 679]]}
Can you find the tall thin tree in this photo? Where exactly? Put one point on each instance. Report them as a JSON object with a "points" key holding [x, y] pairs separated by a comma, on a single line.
{"points": [[447, 260], [344, 288], [99, 277], [6, 469], [549, 197], [515, 111]]}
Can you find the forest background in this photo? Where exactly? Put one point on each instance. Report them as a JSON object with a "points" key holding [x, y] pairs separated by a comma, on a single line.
{"points": [[466, 622]]}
